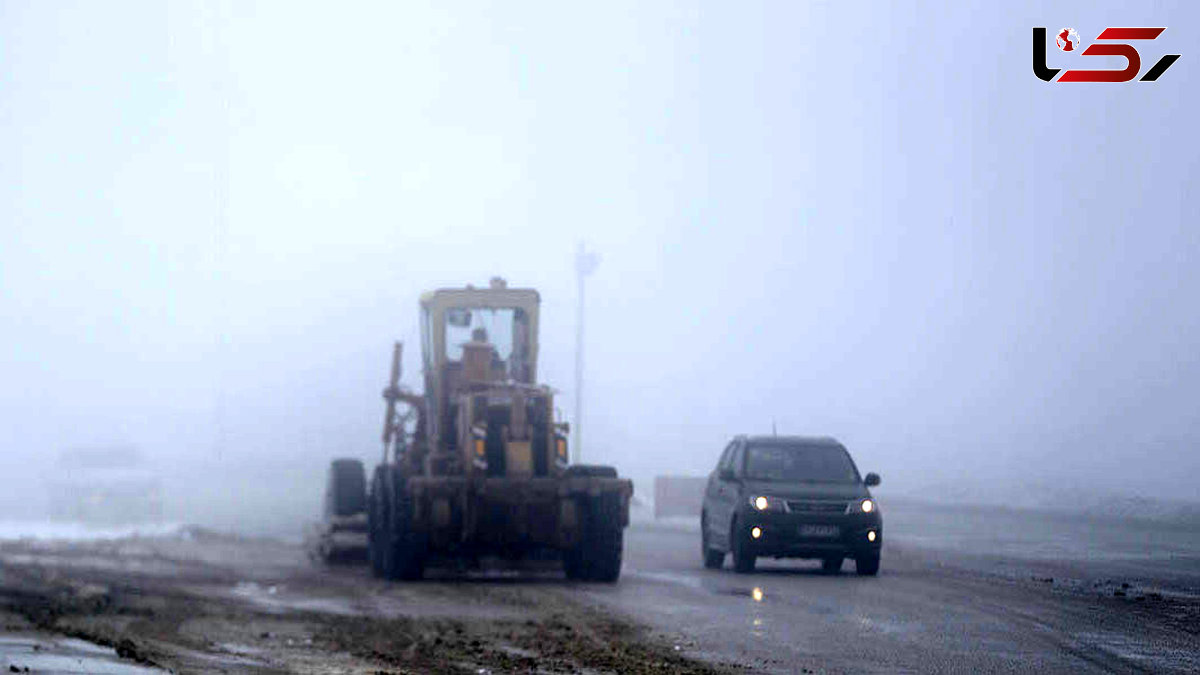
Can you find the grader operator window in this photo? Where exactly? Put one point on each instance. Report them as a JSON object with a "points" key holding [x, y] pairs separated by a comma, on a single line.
{"points": [[499, 326]]}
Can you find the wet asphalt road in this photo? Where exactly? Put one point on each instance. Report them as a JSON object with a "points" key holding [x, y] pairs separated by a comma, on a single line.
{"points": [[1037, 594], [960, 591]]}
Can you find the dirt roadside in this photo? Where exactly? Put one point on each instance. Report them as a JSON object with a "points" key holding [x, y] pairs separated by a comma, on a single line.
{"points": [[202, 602]]}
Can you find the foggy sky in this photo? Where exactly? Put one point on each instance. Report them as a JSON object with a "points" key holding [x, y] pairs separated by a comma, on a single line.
{"points": [[859, 220]]}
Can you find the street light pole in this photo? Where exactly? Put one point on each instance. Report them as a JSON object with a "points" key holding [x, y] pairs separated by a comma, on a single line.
{"points": [[585, 264]]}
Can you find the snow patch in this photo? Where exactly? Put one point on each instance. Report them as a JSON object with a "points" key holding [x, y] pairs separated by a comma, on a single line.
{"points": [[64, 531]]}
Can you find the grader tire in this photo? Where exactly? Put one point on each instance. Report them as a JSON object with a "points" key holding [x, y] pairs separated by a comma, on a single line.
{"points": [[403, 548], [377, 522], [346, 491], [589, 471], [597, 557]]}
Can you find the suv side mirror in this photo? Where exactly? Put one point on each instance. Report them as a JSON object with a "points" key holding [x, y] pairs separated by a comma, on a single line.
{"points": [[726, 474], [871, 480]]}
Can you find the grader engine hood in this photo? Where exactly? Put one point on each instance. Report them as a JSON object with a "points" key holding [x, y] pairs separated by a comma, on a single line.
{"points": [[511, 432], [480, 350]]}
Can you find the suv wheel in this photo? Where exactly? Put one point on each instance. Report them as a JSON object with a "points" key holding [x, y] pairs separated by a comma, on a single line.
{"points": [[743, 560], [867, 564], [713, 559]]}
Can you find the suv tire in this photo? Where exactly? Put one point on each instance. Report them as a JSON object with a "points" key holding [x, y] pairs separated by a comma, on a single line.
{"points": [[867, 564], [713, 559], [743, 560]]}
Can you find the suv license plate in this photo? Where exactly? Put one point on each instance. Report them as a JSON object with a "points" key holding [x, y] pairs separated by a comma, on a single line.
{"points": [[819, 531]]}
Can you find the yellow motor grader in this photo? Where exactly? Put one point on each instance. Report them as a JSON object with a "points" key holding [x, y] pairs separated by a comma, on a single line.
{"points": [[476, 465]]}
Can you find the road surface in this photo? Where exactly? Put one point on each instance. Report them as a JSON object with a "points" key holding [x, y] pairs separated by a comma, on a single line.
{"points": [[929, 610], [980, 590]]}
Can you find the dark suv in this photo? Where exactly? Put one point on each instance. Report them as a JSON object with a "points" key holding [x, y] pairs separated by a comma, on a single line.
{"points": [[790, 497]]}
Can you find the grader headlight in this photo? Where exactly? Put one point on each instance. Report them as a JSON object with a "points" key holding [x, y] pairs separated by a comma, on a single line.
{"points": [[560, 450], [479, 445]]}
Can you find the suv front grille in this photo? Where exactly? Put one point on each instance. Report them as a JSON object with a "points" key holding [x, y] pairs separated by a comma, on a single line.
{"points": [[809, 506]]}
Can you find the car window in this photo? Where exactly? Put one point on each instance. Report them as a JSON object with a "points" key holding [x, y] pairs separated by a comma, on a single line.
{"points": [[736, 462], [726, 457]]}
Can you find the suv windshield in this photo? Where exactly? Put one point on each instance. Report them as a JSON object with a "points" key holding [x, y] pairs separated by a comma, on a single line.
{"points": [[798, 462]]}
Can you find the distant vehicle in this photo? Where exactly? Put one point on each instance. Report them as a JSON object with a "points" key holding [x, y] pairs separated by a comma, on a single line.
{"points": [[790, 497], [477, 465], [104, 486], [342, 533]]}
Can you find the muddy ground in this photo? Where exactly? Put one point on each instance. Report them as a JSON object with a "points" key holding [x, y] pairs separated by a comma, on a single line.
{"points": [[960, 590], [203, 602]]}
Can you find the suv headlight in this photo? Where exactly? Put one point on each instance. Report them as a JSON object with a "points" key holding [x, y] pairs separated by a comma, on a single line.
{"points": [[867, 506], [763, 503]]}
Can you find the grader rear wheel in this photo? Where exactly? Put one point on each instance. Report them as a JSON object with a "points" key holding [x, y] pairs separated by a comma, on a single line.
{"points": [[346, 493], [377, 523]]}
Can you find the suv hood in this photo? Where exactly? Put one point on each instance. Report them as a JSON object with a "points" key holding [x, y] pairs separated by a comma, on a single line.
{"points": [[807, 490]]}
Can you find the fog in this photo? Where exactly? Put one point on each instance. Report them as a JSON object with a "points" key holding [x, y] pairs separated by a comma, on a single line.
{"points": [[856, 220]]}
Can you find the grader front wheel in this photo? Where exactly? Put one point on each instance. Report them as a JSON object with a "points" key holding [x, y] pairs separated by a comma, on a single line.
{"points": [[597, 556]]}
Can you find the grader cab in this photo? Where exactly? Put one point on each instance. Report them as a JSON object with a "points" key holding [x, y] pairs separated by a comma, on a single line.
{"points": [[477, 464]]}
